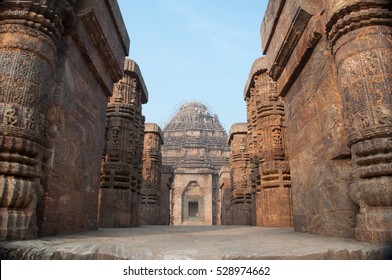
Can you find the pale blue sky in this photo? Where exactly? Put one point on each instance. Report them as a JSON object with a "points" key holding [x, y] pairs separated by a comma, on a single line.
{"points": [[194, 50]]}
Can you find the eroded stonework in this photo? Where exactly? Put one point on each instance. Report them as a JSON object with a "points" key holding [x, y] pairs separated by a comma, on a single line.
{"points": [[55, 78], [333, 67], [121, 179], [150, 202], [269, 172], [242, 192]]}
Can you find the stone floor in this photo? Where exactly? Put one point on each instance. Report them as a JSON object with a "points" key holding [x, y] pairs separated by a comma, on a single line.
{"points": [[197, 242]]}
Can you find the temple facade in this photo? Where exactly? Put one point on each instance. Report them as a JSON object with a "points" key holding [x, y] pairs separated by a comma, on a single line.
{"points": [[195, 150]]}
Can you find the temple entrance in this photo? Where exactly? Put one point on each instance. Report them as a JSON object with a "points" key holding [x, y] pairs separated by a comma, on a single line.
{"points": [[193, 204]]}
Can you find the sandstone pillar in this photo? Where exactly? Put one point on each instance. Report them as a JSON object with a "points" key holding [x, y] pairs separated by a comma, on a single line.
{"points": [[239, 162], [267, 132], [225, 195], [30, 34], [149, 211], [121, 168], [360, 35]]}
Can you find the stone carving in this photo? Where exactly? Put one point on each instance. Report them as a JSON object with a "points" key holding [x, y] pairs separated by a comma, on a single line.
{"points": [[242, 192], [360, 38], [29, 39], [195, 148], [121, 179], [150, 202], [267, 131]]}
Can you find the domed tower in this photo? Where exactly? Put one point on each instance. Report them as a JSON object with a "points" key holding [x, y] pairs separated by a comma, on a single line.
{"points": [[195, 148]]}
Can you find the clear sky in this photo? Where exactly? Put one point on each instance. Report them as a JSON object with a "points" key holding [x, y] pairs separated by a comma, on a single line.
{"points": [[194, 50]]}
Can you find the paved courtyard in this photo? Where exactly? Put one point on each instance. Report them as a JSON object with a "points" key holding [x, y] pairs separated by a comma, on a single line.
{"points": [[197, 242]]}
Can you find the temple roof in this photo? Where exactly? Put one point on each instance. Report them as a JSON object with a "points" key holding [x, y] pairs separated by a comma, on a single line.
{"points": [[194, 132]]}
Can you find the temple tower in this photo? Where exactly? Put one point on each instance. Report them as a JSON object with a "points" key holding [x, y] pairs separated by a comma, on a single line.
{"points": [[195, 148]]}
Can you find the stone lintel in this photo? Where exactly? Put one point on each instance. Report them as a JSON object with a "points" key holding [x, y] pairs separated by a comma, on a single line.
{"points": [[237, 128], [153, 128], [132, 68], [258, 67], [101, 36], [291, 18]]}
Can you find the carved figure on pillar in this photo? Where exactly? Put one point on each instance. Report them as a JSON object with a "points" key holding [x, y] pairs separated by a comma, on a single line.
{"points": [[273, 203], [152, 164], [121, 178], [360, 35], [242, 208], [30, 34]]}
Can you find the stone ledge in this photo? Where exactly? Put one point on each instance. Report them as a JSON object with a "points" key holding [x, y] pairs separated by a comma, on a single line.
{"points": [[207, 242]]}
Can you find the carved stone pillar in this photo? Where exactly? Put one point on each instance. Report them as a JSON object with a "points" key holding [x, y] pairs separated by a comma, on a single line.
{"points": [[30, 34], [152, 164], [119, 197], [273, 202], [239, 163], [360, 34]]}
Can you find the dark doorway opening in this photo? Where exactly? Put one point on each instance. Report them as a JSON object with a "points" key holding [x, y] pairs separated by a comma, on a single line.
{"points": [[193, 209]]}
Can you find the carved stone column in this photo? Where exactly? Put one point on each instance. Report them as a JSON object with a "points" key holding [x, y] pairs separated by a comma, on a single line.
{"points": [[152, 165], [360, 34], [119, 197], [30, 34], [239, 164], [273, 202]]}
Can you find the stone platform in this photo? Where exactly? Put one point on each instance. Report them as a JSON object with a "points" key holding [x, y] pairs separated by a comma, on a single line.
{"points": [[196, 242]]}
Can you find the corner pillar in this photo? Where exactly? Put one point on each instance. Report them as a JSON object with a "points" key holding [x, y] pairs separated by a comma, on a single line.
{"points": [[360, 35]]}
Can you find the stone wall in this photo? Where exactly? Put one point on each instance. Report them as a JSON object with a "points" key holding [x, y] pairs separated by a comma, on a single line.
{"points": [[121, 178], [225, 196], [331, 62], [150, 202], [55, 77]]}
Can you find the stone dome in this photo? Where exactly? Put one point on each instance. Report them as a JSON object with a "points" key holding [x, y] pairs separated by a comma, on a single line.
{"points": [[195, 135]]}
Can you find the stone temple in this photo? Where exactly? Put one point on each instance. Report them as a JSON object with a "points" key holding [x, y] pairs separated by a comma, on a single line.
{"points": [[195, 150], [314, 156]]}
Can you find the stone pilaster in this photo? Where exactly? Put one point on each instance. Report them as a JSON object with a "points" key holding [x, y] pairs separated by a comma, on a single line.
{"points": [[266, 121], [239, 164], [360, 35], [119, 193], [149, 211], [30, 34]]}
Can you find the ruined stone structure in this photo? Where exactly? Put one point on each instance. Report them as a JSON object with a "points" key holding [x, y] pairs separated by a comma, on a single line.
{"points": [[195, 148], [269, 171], [331, 61], [58, 62], [242, 192], [150, 204], [225, 196], [121, 178]]}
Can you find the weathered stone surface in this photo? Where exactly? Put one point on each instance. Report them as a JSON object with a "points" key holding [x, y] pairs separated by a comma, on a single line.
{"points": [[242, 193], [195, 147], [225, 196], [363, 57], [269, 174], [332, 68], [194, 243], [150, 202], [52, 108], [121, 178]]}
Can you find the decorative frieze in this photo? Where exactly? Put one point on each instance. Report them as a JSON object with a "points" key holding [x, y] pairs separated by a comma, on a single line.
{"points": [[30, 34], [121, 179], [360, 35]]}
